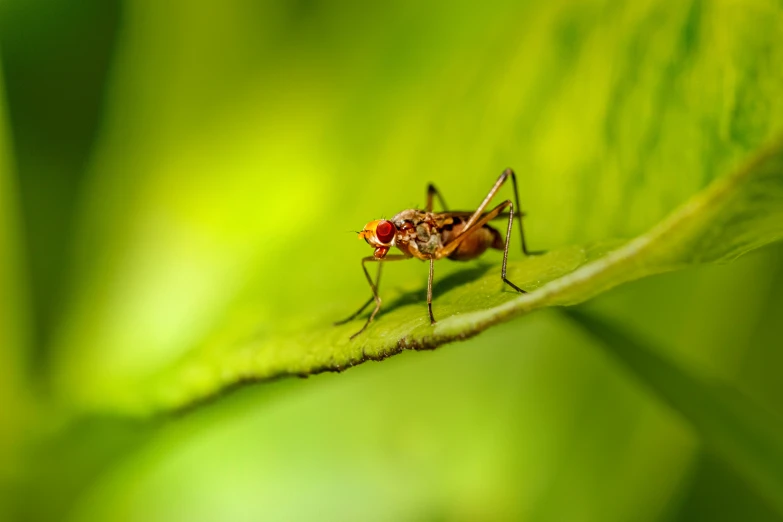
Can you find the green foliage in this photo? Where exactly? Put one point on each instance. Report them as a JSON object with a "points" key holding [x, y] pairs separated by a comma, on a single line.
{"points": [[206, 228], [737, 429], [177, 195], [740, 212]]}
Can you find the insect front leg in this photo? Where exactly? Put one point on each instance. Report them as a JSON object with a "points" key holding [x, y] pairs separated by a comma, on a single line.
{"points": [[370, 300], [374, 287]]}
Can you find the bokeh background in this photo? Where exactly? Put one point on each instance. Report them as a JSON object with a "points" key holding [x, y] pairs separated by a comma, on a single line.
{"points": [[167, 168]]}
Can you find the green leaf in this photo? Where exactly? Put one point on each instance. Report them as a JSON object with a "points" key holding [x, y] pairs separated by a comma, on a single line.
{"points": [[213, 242], [239, 146], [736, 214], [15, 407], [745, 435]]}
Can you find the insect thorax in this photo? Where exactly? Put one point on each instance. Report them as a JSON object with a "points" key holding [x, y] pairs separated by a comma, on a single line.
{"points": [[419, 232]]}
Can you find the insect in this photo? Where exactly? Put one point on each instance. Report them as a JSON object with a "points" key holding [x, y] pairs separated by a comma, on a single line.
{"points": [[429, 236]]}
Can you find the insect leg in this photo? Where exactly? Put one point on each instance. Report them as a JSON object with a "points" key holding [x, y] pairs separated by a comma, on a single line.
{"points": [[370, 300], [433, 192], [374, 287], [520, 215], [505, 249], [489, 216], [508, 173], [463, 234], [480, 210], [429, 290]]}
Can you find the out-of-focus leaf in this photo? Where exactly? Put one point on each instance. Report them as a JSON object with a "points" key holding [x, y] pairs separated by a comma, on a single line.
{"points": [[56, 59], [14, 385], [497, 428], [730, 424], [61, 466], [504, 426]]}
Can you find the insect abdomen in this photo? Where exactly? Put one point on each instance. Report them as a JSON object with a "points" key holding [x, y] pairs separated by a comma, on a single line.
{"points": [[475, 244]]}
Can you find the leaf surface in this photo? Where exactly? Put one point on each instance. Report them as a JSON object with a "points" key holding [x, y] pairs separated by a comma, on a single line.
{"points": [[734, 215], [214, 241]]}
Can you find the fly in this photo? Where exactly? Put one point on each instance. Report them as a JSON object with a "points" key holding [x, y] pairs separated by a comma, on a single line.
{"points": [[429, 236]]}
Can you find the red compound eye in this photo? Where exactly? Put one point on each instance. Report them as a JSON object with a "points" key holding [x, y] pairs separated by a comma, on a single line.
{"points": [[385, 231]]}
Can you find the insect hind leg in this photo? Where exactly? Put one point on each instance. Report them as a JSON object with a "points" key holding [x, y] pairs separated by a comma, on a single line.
{"points": [[503, 177], [505, 249]]}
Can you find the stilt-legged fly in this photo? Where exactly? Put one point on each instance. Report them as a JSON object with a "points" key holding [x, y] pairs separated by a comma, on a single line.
{"points": [[430, 236]]}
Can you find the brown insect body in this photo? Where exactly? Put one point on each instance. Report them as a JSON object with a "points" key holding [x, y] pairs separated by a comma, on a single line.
{"points": [[430, 236], [422, 235]]}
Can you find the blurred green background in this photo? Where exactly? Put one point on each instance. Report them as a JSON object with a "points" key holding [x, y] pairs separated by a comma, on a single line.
{"points": [[170, 168]]}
